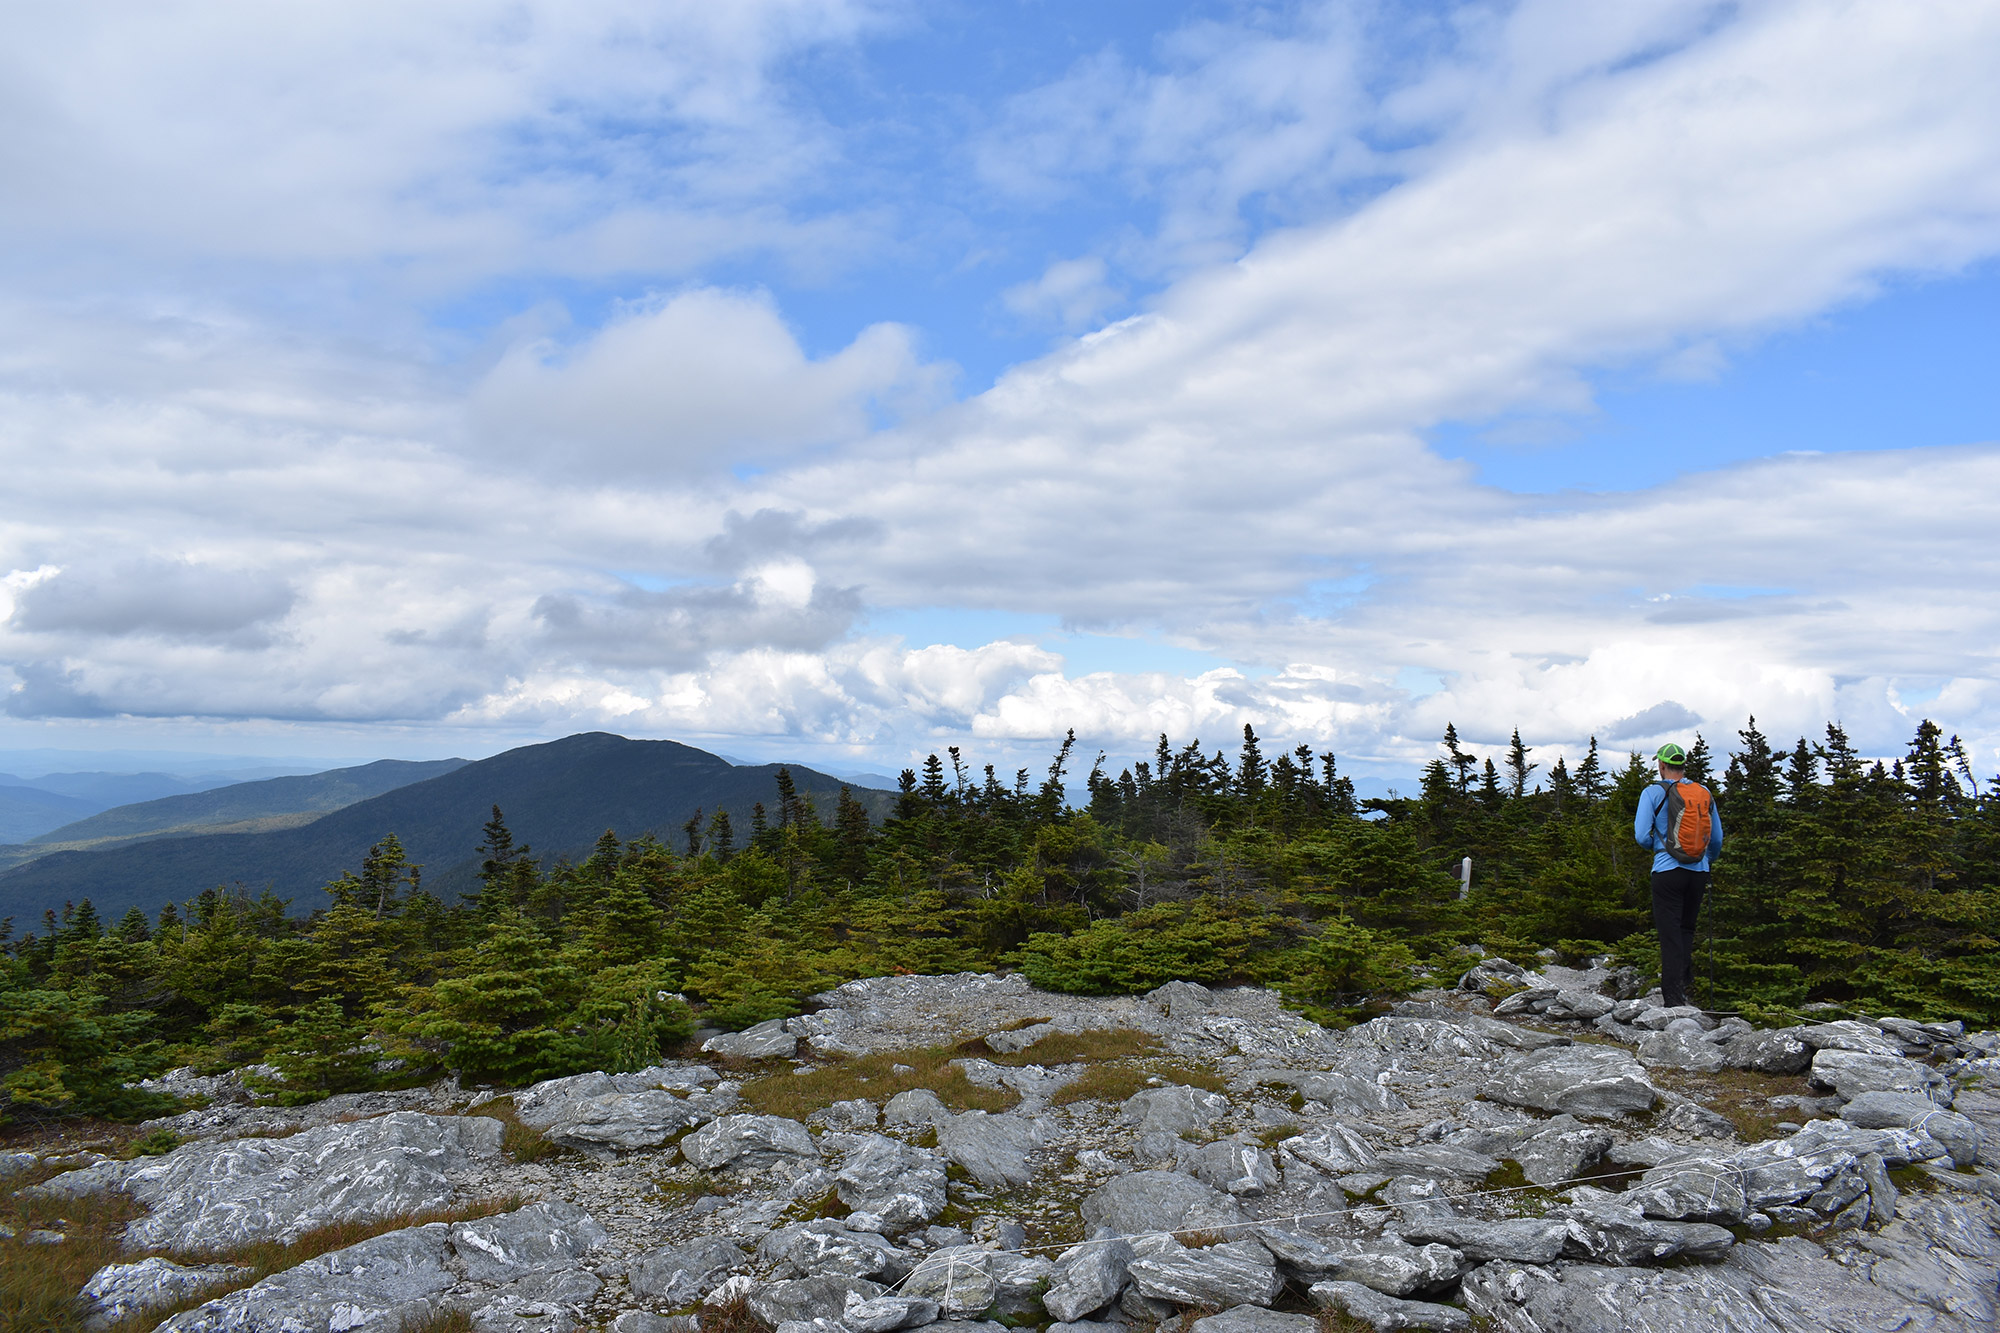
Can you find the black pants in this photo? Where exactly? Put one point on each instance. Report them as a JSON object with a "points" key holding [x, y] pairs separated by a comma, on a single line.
{"points": [[1677, 896]]}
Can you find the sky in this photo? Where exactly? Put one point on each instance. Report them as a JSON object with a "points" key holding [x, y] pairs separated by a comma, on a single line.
{"points": [[840, 380]]}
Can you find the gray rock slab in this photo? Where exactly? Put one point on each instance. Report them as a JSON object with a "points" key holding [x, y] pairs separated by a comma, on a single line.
{"points": [[1333, 1148], [960, 1280], [918, 1106], [1387, 1264], [1241, 1169], [1020, 1039], [748, 1140], [118, 1291], [886, 1313], [1437, 1160], [1561, 1152], [1239, 1272], [215, 1195], [1781, 1051], [766, 1041], [1583, 1006], [1087, 1278], [1696, 1189], [1959, 1136], [1253, 1319], [551, 1234], [645, 1321], [1582, 1080], [1620, 1236], [373, 1287], [683, 1274], [829, 1246], [890, 1184], [1659, 1019], [994, 1148], [808, 1298], [1851, 1073], [1680, 1050], [1382, 1312], [1173, 1109], [1849, 1035], [1181, 999], [1423, 1036], [1537, 1240], [1145, 1201]]}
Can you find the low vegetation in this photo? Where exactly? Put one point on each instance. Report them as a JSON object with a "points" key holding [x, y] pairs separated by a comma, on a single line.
{"points": [[1869, 883]]}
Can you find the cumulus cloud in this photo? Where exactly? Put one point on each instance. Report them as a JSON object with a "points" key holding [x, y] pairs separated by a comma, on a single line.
{"points": [[1070, 294], [1241, 467], [169, 599], [699, 379]]}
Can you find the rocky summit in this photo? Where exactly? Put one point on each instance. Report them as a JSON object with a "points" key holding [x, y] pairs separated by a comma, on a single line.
{"points": [[968, 1153]]}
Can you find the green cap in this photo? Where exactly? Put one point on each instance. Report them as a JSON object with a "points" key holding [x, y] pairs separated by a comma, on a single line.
{"points": [[1673, 756]]}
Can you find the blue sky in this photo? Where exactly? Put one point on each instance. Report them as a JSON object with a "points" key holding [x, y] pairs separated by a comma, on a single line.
{"points": [[842, 379]]}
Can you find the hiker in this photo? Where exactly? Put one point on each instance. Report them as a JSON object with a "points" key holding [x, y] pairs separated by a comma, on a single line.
{"points": [[1678, 823]]}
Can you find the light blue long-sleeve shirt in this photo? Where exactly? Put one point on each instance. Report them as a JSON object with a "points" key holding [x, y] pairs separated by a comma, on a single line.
{"points": [[1648, 827]]}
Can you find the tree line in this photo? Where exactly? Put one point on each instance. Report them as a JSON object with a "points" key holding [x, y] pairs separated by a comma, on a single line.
{"points": [[1862, 882]]}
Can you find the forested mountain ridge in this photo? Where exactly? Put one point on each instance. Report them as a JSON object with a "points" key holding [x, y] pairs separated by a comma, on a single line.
{"points": [[298, 798], [565, 793], [1843, 880]]}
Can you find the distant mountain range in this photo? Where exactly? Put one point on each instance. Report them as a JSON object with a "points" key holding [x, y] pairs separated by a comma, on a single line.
{"points": [[240, 807], [558, 797], [27, 811]]}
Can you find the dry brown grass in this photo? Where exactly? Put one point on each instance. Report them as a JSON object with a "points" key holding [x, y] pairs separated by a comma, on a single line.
{"points": [[1200, 1240], [38, 1283], [1114, 1082], [875, 1077], [519, 1141], [456, 1320], [1021, 1023], [730, 1317], [1740, 1096], [1063, 1048]]}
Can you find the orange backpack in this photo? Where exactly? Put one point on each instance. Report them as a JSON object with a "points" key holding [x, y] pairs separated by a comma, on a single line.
{"points": [[1689, 811]]}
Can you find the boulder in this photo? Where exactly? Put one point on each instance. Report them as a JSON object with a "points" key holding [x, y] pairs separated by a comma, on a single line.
{"points": [[1619, 1235], [829, 1246], [856, 1113], [1781, 1051], [1851, 1073], [890, 1184], [1389, 1264], [1146, 1201], [748, 1140], [808, 1298], [1235, 1168], [1423, 1036], [1332, 1148], [1087, 1278], [624, 1112], [1580, 1005], [885, 1313], [1386, 1312], [1524, 1240], [1173, 1109], [1439, 1160], [1582, 1080], [550, 1302], [1239, 1272], [1849, 1035], [1585, 1298], [1681, 1050], [1957, 1134], [1691, 1189], [553, 1234], [1561, 1152], [1252, 1319], [766, 1041], [374, 1287], [683, 1274], [1020, 1039], [205, 1196], [918, 1106], [1347, 1092], [1660, 1019], [118, 1291], [1181, 999], [959, 1279], [994, 1148]]}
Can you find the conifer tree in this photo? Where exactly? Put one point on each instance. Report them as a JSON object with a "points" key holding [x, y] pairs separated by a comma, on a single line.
{"points": [[1518, 767]]}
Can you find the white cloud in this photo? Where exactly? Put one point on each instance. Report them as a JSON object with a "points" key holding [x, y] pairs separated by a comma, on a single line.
{"points": [[1070, 294], [697, 380], [1240, 468]]}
